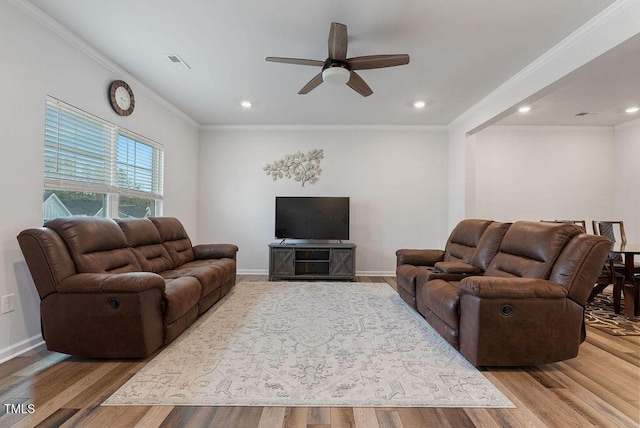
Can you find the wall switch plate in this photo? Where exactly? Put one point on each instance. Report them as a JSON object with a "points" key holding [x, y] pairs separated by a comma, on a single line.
{"points": [[8, 303]]}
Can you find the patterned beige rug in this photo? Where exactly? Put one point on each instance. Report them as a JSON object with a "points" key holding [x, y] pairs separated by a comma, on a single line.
{"points": [[310, 344], [600, 314]]}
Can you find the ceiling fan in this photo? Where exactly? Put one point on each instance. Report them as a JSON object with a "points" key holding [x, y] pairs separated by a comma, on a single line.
{"points": [[337, 69]]}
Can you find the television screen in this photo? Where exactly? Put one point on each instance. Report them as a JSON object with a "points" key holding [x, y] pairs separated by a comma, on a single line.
{"points": [[312, 217]]}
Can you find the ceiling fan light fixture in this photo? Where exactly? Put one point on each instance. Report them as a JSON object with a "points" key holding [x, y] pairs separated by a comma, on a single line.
{"points": [[336, 75]]}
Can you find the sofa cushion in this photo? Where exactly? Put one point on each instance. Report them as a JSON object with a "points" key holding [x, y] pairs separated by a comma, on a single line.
{"points": [[489, 245], [209, 277], [175, 239], [180, 296], [464, 239], [529, 249], [226, 267], [96, 244], [145, 242], [406, 278], [441, 298]]}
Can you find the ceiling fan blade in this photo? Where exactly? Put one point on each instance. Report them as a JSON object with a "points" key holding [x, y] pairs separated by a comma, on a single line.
{"points": [[338, 41], [297, 61], [377, 61], [313, 83], [359, 85]]}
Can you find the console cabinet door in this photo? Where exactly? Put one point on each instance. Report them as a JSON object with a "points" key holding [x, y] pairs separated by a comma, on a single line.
{"points": [[342, 262], [282, 262]]}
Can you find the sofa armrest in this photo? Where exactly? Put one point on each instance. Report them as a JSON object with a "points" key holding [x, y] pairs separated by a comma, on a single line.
{"points": [[215, 251], [488, 287], [419, 257], [95, 283], [456, 268]]}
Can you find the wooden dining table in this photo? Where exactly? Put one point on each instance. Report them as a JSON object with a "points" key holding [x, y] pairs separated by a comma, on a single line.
{"points": [[631, 288]]}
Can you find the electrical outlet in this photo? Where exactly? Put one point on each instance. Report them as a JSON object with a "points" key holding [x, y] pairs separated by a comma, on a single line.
{"points": [[8, 303]]}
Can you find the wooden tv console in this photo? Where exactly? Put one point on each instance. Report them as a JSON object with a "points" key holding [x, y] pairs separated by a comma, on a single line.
{"points": [[312, 261]]}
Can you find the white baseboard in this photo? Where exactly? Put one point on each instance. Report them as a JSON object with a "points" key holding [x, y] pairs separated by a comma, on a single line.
{"points": [[20, 348], [376, 273], [360, 273], [252, 272]]}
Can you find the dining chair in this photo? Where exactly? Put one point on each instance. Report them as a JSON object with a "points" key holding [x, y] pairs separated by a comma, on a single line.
{"points": [[612, 271], [613, 230]]}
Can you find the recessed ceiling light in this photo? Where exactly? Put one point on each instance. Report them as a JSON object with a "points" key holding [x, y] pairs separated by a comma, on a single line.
{"points": [[524, 109], [633, 110], [246, 104], [419, 104]]}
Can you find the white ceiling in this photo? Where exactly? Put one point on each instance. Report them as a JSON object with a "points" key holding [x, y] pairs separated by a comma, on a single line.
{"points": [[460, 52], [603, 88]]}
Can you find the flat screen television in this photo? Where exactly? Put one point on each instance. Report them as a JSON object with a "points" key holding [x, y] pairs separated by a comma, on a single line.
{"points": [[300, 217]]}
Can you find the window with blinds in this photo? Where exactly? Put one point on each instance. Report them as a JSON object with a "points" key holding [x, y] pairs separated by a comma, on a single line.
{"points": [[93, 167]]}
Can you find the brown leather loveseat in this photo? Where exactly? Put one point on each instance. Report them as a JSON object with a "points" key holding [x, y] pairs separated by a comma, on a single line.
{"points": [[121, 288], [506, 294]]}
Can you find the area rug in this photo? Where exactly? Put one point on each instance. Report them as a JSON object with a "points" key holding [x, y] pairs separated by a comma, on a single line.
{"points": [[600, 314], [310, 344]]}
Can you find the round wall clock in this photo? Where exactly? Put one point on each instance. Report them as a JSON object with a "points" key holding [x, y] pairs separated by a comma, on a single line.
{"points": [[121, 97]]}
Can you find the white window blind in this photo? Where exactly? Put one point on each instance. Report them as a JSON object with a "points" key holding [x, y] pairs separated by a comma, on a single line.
{"points": [[86, 153], [139, 167]]}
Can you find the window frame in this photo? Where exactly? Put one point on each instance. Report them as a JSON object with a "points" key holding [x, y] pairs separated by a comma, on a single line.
{"points": [[81, 155]]}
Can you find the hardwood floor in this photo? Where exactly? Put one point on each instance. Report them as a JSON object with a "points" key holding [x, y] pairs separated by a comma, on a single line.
{"points": [[601, 387]]}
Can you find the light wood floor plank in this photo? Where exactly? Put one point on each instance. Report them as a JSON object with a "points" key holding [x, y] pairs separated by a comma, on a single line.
{"points": [[605, 393], [241, 417], [319, 416], [154, 416], [549, 409], [112, 416], [388, 418], [411, 417], [189, 417], [52, 399], [365, 417], [521, 416], [481, 418], [342, 417], [272, 417], [295, 417]]}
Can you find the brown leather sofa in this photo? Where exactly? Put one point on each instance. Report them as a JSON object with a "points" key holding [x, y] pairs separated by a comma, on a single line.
{"points": [[122, 288], [526, 305], [459, 257]]}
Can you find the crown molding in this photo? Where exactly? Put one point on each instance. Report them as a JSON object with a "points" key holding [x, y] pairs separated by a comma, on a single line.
{"points": [[614, 10], [629, 124], [58, 29], [430, 128]]}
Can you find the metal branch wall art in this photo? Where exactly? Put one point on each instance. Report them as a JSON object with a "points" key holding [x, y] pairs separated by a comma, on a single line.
{"points": [[302, 167]]}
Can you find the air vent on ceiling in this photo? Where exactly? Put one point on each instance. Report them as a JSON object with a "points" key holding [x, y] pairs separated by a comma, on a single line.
{"points": [[583, 114], [177, 59]]}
